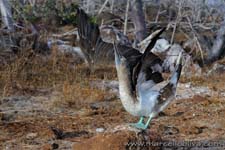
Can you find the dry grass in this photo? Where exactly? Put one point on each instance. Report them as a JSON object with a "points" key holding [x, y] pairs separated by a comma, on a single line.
{"points": [[208, 81], [29, 72], [79, 95]]}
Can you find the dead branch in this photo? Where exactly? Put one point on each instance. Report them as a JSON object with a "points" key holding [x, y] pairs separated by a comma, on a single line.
{"points": [[138, 19], [68, 33], [196, 38], [177, 19], [112, 6], [126, 17], [103, 6], [6, 13], [218, 49]]}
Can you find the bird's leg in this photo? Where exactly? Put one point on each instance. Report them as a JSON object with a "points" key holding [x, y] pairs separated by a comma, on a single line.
{"points": [[148, 121], [139, 124], [141, 120]]}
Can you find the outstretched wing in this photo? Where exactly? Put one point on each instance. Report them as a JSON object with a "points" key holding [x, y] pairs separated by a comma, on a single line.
{"points": [[149, 67], [143, 67], [168, 91], [91, 42], [94, 48]]}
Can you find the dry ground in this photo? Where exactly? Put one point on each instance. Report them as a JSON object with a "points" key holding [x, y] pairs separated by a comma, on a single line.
{"points": [[51, 102]]}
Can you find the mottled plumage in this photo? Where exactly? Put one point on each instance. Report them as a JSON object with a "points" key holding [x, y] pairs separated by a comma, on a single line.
{"points": [[94, 48], [143, 91], [151, 94]]}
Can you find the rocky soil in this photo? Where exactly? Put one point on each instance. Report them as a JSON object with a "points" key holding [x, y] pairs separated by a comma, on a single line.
{"points": [[38, 122]]}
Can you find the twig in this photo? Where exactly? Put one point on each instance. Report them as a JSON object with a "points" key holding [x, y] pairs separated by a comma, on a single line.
{"points": [[185, 34], [196, 38], [126, 17], [87, 6], [32, 2], [71, 32], [103, 6], [178, 17], [112, 20], [157, 16], [206, 26], [112, 6]]}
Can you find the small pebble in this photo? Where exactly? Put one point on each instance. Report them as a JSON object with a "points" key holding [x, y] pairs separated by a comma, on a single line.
{"points": [[100, 130], [188, 85], [31, 135]]}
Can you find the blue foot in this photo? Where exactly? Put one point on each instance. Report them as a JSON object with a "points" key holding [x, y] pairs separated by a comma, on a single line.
{"points": [[139, 125]]}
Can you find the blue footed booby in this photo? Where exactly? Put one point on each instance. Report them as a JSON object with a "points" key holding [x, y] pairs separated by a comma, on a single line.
{"points": [[143, 91]]}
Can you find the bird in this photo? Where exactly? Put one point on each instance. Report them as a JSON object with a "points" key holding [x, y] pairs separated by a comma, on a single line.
{"points": [[142, 89], [95, 49]]}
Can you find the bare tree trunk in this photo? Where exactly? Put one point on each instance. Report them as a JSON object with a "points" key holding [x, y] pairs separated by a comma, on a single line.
{"points": [[126, 17], [217, 51], [6, 13], [218, 48], [138, 18]]}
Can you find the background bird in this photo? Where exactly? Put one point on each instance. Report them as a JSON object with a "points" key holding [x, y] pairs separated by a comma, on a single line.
{"points": [[91, 43], [95, 49]]}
